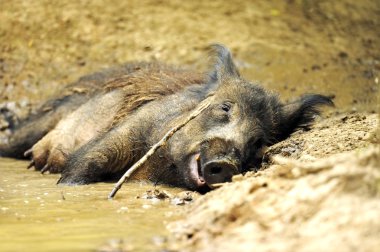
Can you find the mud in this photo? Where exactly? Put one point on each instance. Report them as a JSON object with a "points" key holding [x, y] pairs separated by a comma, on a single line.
{"points": [[38, 215], [325, 200], [335, 134]]}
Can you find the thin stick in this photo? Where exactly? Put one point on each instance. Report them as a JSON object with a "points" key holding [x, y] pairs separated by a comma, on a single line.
{"points": [[155, 147]]}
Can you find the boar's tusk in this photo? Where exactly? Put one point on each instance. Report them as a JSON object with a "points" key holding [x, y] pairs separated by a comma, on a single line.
{"points": [[155, 147]]}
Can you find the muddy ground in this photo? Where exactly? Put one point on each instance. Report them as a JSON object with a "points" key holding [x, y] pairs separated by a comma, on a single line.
{"points": [[328, 199]]}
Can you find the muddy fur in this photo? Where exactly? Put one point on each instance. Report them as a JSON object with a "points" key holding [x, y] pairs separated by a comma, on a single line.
{"points": [[108, 120]]}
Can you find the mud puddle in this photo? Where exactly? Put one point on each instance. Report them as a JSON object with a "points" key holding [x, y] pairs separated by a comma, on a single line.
{"points": [[36, 214]]}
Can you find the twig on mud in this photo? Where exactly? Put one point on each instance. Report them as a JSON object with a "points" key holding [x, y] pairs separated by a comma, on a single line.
{"points": [[155, 147]]}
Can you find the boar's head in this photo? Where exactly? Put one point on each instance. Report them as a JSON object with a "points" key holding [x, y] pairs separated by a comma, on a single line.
{"points": [[242, 119]]}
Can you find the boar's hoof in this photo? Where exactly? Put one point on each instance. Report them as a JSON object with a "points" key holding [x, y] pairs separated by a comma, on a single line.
{"points": [[215, 172]]}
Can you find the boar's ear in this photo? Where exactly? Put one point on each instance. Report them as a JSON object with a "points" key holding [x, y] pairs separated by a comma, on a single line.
{"points": [[301, 113], [223, 66]]}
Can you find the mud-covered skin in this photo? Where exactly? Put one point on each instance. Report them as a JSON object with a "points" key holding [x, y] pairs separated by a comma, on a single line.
{"points": [[116, 125]]}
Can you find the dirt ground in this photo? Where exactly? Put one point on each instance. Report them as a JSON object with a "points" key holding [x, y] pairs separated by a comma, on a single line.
{"points": [[292, 46], [325, 196]]}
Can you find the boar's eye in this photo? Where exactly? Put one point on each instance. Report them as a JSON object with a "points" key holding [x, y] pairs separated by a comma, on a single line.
{"points": [[221, 112], [226, 106]]}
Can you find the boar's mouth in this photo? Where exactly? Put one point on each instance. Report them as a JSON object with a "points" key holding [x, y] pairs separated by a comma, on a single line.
{"points": [[208, 174], [196, 171]]}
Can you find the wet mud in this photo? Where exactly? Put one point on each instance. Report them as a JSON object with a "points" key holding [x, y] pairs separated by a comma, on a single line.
{"points": [[325, 193], [38, 215]]}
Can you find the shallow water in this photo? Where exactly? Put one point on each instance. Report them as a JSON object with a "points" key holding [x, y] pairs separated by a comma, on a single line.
{"points": [[38, 215]]}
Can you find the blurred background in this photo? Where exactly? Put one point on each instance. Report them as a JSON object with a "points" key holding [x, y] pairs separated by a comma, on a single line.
{"points": [[290, 46]]}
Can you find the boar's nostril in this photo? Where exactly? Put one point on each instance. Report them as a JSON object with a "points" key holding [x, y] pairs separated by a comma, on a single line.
{"points": [[215, 172]]}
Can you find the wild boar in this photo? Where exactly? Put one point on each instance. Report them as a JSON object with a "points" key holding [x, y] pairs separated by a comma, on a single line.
{"points": [[105, 122]]}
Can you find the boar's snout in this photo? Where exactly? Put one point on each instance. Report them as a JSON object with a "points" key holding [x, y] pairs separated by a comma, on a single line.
{"points": [[218, 171], [220, 160]]}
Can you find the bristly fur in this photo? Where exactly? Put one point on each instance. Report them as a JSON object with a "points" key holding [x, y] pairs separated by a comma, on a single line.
{"points": [[150, 82]]}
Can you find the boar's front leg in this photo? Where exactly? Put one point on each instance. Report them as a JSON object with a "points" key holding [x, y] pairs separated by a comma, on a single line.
{"points": [[75, 130], [100, 159]]}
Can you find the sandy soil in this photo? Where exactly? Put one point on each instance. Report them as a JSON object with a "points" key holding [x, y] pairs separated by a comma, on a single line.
{"points": [[328, 199], [335, 134]]}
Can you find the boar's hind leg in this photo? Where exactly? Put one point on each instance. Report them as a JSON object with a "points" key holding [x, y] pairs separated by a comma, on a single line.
{"points": [[34, 127], [82, 125]]}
